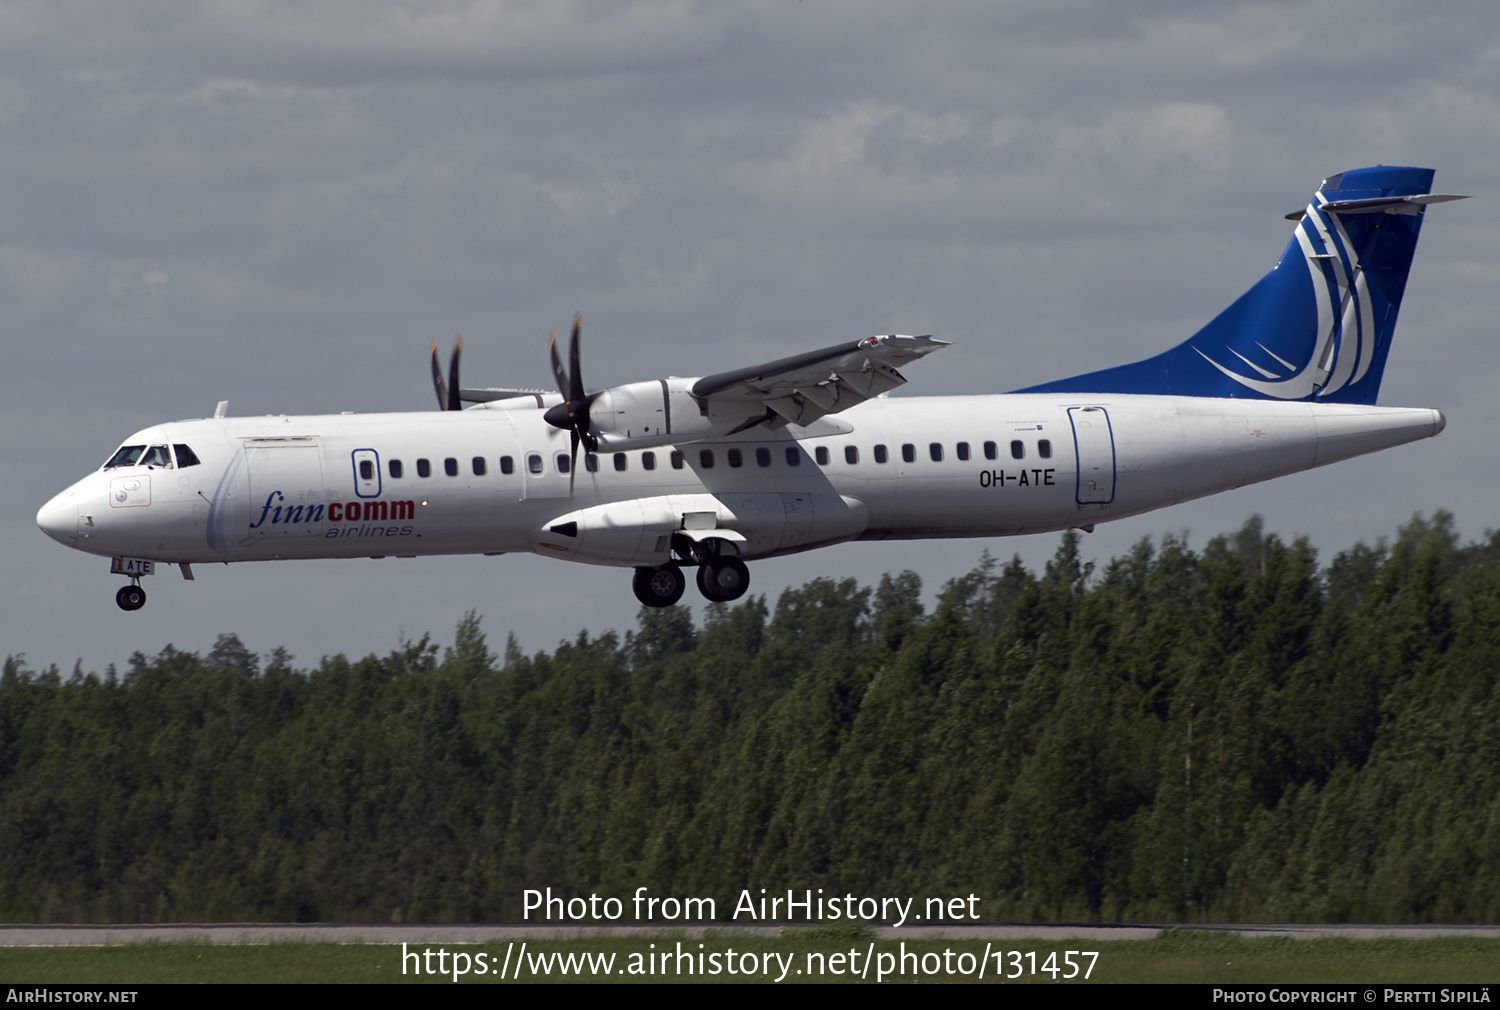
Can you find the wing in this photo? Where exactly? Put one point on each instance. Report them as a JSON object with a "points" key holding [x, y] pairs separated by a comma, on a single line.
{"points": [[802, 388], [491, 395]]}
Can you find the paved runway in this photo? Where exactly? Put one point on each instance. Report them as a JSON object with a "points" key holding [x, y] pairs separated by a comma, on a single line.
{"points": [[248, 933]]}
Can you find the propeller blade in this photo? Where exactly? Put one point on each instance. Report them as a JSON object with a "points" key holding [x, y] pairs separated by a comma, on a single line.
{"points": [[557, 368], [455, 401], [575, 388], [573, 413], [437, 380], [573, 463]]}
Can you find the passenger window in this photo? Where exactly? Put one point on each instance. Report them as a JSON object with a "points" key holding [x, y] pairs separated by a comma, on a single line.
{"points": [[821, 455], [533, 462], [126, 455], [479, 466], [424, 468], [1044, 448], [880, 456], [1017, 450], [648, 460], [564, 462], [507, 465], [185, 456], [762, 456], [851, 454], [620, 461], [793, 456], [394, 466], [366, 470], [706, 458], [450, 467], [991, 450], [963, 450], [935, 450], [677, 460], [909, 453], [591, 462], [736, 458]]}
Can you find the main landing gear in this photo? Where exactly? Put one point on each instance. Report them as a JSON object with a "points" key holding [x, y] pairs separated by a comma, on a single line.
{"points": [[659, 587], [131, 597], [721, 577]]}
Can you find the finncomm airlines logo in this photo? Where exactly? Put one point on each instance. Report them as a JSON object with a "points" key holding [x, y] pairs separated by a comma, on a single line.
{"points": [[276, 512]]}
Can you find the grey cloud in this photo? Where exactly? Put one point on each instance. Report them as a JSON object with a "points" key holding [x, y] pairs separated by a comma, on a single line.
{"points": [[357, 41], [282, 205]]}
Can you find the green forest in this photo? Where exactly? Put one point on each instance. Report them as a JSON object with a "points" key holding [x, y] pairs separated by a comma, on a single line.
{"points": [[1232, 734]]}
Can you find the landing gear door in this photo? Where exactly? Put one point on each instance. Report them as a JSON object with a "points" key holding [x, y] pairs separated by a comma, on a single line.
{"points": [[1094, 445]]}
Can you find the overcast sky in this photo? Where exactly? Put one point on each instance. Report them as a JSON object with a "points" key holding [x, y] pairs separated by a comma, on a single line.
{"points": [[280, 205]]}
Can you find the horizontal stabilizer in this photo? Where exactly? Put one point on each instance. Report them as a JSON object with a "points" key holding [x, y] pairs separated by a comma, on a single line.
{"points": [[1396, 204]]}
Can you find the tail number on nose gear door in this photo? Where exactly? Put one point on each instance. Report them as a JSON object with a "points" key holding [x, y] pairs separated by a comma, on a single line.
{"points": [[133, 567]]}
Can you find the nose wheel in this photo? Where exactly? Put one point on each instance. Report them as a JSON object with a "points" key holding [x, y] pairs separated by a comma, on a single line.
{"points": [[131, 597]]}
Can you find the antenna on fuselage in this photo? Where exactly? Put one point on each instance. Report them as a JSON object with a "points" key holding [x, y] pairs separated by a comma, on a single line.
{"points": [[222, 410]]}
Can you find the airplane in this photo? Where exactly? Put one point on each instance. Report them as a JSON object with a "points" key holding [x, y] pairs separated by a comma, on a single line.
{"points": [[795, 454]]}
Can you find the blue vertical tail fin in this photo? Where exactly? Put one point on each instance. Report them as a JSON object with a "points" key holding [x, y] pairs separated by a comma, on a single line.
{"points": [[1319, 325]]}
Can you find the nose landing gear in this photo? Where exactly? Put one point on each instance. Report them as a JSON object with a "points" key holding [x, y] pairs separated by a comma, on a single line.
{"points": [[131, 597]]}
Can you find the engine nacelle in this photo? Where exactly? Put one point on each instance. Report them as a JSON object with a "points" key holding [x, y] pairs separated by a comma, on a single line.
{"points": [[640, 415], [641, 531]]}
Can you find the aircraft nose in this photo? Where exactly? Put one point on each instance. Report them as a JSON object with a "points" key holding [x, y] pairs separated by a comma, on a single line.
{"points": [[59, 518]]}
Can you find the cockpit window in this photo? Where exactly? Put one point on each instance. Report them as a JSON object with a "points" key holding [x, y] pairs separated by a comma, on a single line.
{"points": [[151, 455], [156, 455], [126, 455]]}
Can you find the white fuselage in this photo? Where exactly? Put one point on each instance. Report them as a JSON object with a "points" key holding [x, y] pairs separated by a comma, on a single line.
{"points": [[953, 466]]}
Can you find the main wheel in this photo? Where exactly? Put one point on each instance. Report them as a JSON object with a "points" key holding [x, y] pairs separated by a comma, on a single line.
{"points": [[659, 587], [723, 579], [131, 597]]}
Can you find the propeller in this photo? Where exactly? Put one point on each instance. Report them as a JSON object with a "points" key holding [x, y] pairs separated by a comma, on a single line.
{"points": [[572, 415], [448, 395]]}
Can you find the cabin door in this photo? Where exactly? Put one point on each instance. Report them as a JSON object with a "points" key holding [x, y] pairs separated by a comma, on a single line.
{"points": [[287, 497], [1094, 446]]}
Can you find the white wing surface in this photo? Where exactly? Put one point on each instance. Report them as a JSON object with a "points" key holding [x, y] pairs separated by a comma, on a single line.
{"points": [[804, 387]]}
